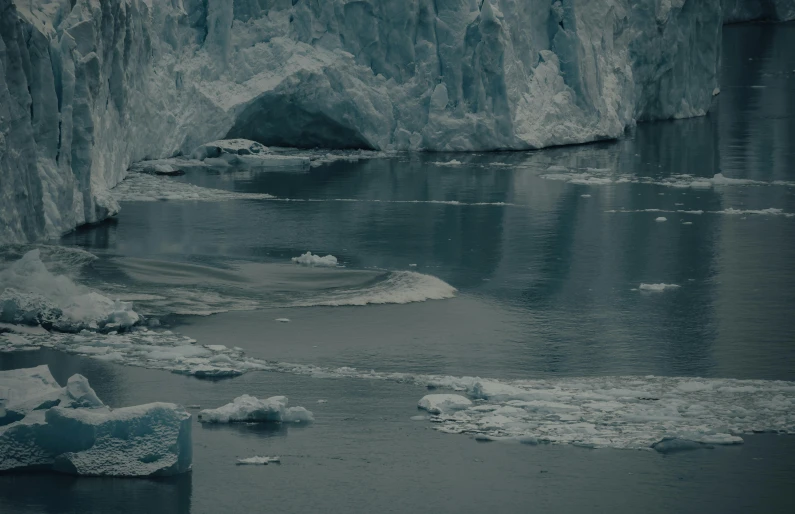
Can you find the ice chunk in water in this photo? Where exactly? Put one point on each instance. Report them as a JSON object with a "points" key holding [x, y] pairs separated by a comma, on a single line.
{"points": [[247, 408], [258, 461], [308, 259], [442, 403], [69, 430], [657, 288]]}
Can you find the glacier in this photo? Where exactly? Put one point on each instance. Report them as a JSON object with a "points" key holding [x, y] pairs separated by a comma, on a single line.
{"points": [[88, 88], [69, 430], [735, 11]]}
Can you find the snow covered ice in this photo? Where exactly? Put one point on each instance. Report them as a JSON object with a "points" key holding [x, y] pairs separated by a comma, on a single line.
{"points": [[69, 430], [247, 408], [376, 75]]}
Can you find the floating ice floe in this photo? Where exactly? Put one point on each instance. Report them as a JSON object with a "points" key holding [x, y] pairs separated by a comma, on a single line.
{"points": [[444, 403], [248, 153], [31, 295], [282, 320], [143, 187], [657, 288], [309, 259], [259, 461], [451, 163], [247, 408], [729, 212], [622, 412], [661, 219], [69, 430], [606, 176]]}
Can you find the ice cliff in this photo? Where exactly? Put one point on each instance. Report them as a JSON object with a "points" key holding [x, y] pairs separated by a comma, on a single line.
{"points": [[749, 10], [69, 430], [89, 87]]}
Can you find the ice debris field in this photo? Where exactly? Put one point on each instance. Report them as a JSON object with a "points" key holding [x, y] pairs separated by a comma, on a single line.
{"points": [[619, 412]]}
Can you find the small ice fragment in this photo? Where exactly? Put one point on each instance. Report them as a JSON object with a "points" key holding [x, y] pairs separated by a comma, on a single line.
{"points": [[661, 219], [258, 461], [585, 196], [687, 223], [412, 265], [453, 162], [308, 259], [657, 288], [322, 401], [282, 320], [418, 418], [193, 407], [439, 403]]}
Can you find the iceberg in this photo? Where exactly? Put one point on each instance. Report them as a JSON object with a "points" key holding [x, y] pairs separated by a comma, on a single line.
{"points": [[88, 88], [247, 408], [69, 430]]}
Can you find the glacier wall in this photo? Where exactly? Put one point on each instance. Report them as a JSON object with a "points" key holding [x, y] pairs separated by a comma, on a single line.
{"points": [[87, 87], [748, 10]]}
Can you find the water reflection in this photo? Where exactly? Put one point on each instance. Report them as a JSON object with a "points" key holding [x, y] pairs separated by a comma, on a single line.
{"points": [[562, 266]]}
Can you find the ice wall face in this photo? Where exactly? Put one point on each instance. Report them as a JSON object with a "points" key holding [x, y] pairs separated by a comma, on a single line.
{"points": [[89, 87], [747, 10]]}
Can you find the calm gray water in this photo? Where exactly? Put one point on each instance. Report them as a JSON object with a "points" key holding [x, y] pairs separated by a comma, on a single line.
{"points": [[547, 269]]}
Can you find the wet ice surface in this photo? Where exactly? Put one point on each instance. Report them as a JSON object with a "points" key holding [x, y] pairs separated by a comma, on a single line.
{"points": [[460, 266]]}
